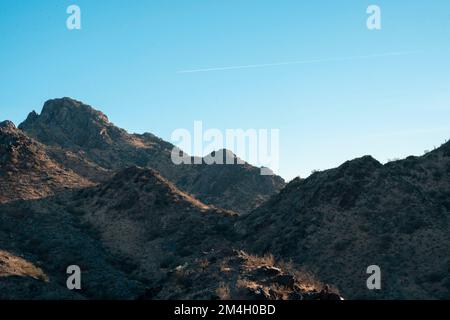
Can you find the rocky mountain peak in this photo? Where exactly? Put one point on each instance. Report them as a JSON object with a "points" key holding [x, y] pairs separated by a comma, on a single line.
{"points": [[70, 123], [62, 109], [7, 125], [82, 139], [358, 168], [365, 163]]}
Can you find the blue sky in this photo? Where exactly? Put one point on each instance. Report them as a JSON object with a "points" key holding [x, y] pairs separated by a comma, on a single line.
{"points": [[126, 61]]}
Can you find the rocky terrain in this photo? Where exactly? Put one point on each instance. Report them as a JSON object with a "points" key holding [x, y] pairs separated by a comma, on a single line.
{"points": [[338, 222], [230, 274], [135, 236], [76, 189], [27, 171], [82, 139]]}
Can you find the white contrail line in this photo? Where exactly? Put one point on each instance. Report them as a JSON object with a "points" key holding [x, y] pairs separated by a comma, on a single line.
{"points": [[379, 55], [411, 132]]}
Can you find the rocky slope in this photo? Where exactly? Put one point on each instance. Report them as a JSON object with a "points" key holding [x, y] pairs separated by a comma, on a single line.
{"points": [[234, 274], [82, 191], [72, 198], [145, 219], [82, 139], [135, 236], [340, 221], [124, 234], [27, 171]]}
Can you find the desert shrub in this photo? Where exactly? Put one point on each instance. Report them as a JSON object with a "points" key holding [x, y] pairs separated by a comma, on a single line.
{"points": [[203, 264], [253, 261], [183, 278], [223, 291], [245, 283]]}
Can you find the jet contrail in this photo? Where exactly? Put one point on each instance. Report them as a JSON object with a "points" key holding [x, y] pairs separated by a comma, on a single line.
{"points": [[379, 55], [411, 132]]}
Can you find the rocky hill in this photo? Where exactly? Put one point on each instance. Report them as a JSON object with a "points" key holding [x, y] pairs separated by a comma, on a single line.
{"points": [[144, 218], [27, 171], [82, 139], [135, 236], [338, 222], [75, 189]]}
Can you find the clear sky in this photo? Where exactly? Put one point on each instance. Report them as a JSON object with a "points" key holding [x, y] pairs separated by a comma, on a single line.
{"points": [[354, 97]]}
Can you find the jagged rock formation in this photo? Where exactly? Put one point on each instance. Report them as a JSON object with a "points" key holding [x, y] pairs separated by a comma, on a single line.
{"points": [[82, 139], [338, 222], [229, 274]]}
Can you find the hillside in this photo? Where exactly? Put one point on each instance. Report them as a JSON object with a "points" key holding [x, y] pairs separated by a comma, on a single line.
{"points": [[144, 218], [135, 236], [76, 189], [84, 140], [27, 171], [338, 222]]}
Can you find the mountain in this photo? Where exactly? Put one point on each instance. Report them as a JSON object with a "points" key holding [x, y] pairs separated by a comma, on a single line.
{"points": [[124, 234], [71, 193], [338, 222], [144, 218], [238, 186], [82, 139], [75, 189], [27, 171], [136, 236]]}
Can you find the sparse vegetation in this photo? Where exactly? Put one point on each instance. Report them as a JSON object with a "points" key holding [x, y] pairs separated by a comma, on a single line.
{"points": [[80, 197], [223, 291]]}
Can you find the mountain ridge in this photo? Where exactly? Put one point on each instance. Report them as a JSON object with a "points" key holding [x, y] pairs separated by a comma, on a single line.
{"points": [[114, 201], [364, 213], [98, 147]]}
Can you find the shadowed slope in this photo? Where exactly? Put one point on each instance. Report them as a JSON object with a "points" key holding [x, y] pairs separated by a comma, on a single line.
{"points": [[338, 222]]}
